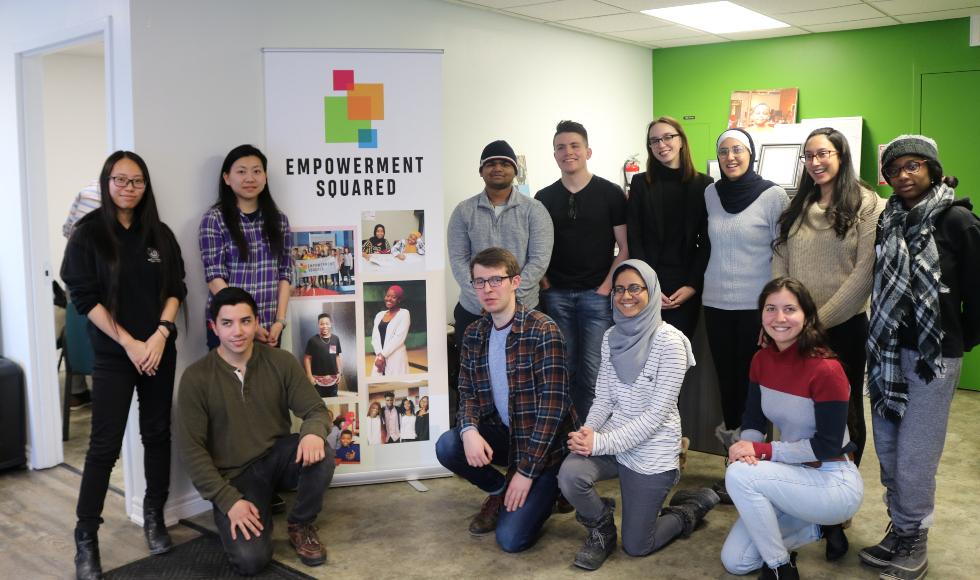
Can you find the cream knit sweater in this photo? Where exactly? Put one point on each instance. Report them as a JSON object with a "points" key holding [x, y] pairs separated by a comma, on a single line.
{"points": [[836, 272]]}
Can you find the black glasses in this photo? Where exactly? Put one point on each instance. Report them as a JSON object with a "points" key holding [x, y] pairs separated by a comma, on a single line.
{"points": [[736, 151], [572, 211], [665, 138], [138, 183], [821, 155], [494, 281], [633, 289], [910, 168]]}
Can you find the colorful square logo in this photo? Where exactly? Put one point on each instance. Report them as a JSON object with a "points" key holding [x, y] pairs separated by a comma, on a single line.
{"points": [[348, 119]]}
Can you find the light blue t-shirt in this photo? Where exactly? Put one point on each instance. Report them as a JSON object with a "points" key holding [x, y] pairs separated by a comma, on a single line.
{"points": [[497, 361]]}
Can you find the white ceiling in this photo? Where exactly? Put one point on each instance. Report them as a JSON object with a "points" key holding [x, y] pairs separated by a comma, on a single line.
{"points": [[621, 19]]}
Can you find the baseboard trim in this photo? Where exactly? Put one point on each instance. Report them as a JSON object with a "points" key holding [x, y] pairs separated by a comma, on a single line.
{"points": [[388, 476], [175, 510]]}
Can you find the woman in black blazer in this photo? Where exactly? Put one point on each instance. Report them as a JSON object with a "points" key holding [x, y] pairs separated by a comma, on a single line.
{"points": [[667, 224]]}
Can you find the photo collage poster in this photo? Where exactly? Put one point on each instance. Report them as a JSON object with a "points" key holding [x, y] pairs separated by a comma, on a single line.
{"points": [[354, 141]]}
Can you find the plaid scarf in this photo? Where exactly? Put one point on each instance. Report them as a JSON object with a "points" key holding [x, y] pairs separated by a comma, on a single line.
{"points": [[906, 278]]}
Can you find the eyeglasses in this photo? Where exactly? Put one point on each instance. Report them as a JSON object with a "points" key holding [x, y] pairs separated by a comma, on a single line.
{"points": [[736, 151], [665, 138], [138, 183], [572, 211], [910, 168], [821, 155], [494, 281], [633, 290]]}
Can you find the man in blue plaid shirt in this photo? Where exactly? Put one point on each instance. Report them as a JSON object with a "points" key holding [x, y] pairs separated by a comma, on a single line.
{"points": [[514, 408]]}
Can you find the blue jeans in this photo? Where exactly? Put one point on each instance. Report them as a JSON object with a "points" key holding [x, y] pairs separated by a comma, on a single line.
{"points": [[516, 530], [583, 318], [781, 506]]}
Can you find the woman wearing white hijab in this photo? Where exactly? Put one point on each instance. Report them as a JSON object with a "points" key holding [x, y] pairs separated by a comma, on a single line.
{"points": [[633, 430]]}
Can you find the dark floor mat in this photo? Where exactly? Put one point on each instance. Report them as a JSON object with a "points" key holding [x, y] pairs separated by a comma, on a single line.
{"points": [[199, 559]]}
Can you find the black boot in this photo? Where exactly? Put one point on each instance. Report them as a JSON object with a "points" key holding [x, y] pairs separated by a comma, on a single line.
{"points": [[881, 554], [910, 561], [155, 530], [787, 571], [602, 537], [837, 544], [88, 565], [691, 505]]}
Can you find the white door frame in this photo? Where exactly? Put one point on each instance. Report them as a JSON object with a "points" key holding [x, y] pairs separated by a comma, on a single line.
{"points": [[43, 398]]}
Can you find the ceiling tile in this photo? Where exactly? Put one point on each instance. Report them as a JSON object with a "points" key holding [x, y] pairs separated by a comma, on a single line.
{"points": [[772, 7], [566, 9], [756, 34], [707, 39], [939, 15], [505, 3], [640, 5], [654, 35], [853, 24], [897, 7], [826, 15], [616, 22]]}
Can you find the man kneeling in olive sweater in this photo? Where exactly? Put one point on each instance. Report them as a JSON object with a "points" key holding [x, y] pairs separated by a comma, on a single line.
{"points": [[235, 441]]}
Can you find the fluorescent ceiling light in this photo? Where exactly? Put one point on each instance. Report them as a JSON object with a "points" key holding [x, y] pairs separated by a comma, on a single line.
{"points": [[716, 17]]}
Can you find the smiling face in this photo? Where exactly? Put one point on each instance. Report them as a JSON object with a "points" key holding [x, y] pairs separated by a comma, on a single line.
{"points": [[823, 171], [407, 405], [235, 327], [911, 187], [571, 152], [374, 410], [760, 114], [498, 173], [246, 178], [324, 325], [500, 298], [782, 318], [389, 401], [669, 155], [392, 299], [424, 403], [345, 439], [125, 198], [734, 167], [412, 238], [379, 232], [628, 304]]}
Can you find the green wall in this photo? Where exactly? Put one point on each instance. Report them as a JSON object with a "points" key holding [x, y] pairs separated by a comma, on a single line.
{"points": [[874, 73]]}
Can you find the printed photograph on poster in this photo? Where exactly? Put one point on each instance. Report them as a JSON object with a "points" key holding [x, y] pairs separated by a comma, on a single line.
{"points": [[323, 262], [325, 342], [520, 180], [881, 154], [344, 437], [394, 327], [393, 242], [760, 111], [398, 412]]}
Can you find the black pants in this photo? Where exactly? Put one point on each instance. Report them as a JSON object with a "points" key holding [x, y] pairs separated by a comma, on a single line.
{"points": [[463, 318], [113, 381], [848, 340], [733, 337], [276, 471], [685, 317]]}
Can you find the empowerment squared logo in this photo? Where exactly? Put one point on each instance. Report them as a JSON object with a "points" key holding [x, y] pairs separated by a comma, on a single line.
{"points": [[348, 119]]}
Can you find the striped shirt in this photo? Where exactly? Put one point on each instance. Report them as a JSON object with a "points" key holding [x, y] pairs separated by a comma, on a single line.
{"points": [[639, 423], [260, 274], [805, 398], [88, 199]]}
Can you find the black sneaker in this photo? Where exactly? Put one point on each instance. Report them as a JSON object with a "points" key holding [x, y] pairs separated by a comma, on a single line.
{"points": [[277, 504]]}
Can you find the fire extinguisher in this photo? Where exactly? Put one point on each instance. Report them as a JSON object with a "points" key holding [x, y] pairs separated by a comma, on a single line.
{"points": [[630, 168]]}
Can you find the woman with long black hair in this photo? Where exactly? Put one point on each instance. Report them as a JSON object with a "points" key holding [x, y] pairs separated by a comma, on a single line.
{"points": [[245, 241], [124, 271], [826, 241], [667, 223]]}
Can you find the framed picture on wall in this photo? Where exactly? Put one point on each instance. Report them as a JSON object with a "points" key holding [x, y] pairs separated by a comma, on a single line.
{"points": [[714, 170], [780, 163]]}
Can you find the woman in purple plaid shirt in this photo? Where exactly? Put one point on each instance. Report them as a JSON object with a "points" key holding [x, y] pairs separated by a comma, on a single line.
{"points": [[242, 247]]}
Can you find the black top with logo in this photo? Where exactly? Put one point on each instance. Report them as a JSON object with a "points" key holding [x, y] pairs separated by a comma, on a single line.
{"points": [[323, 355], [139, 282], [584, 238]]}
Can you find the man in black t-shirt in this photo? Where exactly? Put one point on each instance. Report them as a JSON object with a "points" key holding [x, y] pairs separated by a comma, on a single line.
{"points": [[322, 360], [589, 214]]}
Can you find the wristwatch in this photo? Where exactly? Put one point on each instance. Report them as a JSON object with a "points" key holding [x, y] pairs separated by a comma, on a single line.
{"points": [[282, 322], [170, 326]]}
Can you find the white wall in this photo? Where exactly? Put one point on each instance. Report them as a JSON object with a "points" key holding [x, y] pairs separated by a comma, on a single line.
{"points": [[198, 90], [74, 136]]}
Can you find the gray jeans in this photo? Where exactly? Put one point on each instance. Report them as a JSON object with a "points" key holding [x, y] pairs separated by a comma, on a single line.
{"points": [[643, 496], [909, 452]]}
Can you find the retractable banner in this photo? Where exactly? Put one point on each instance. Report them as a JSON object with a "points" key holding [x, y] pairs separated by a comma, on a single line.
{"points": [[354, 142]]}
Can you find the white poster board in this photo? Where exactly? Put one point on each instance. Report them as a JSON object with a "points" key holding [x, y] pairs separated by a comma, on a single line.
{"points": [[851, 127], [352, 133]]}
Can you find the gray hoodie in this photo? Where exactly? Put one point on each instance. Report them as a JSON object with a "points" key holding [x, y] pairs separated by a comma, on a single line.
{"points": [[523, 227]]}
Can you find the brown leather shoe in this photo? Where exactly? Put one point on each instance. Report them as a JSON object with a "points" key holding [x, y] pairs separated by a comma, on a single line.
{"points": [[562, 505], [485, 522], [308, 546]]}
